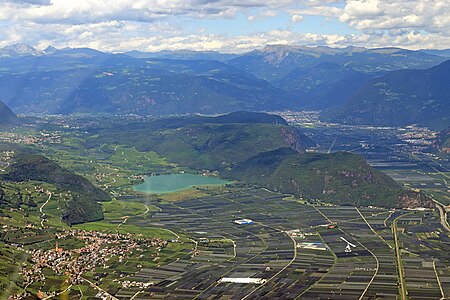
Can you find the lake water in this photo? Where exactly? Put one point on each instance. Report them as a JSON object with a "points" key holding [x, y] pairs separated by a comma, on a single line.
{"points": [[163, 184]]}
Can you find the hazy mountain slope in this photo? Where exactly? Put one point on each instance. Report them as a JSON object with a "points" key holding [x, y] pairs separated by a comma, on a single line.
{"points": [[323, 77], [322, 86], [7, 117], [183, 55], [443, 52], [401, 98], [275, 62], [442, 143], [88, 81], [340, 178], [85, 80]]}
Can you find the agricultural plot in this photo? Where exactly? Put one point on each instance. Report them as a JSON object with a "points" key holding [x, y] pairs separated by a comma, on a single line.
{"points": [[273, 249], [293, 250], [290, 250]]}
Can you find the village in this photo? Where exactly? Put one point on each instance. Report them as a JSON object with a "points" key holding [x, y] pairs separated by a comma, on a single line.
{"points": [[98, 249]]}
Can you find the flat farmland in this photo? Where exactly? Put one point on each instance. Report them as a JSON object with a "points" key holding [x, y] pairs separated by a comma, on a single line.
{"points": [[297, 250]]}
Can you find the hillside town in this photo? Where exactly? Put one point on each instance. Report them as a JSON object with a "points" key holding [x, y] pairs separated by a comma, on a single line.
{"points": [[98, 249]]}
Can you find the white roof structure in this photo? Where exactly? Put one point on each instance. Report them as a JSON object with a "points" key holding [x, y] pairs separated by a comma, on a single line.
{"points": [[243, 221], [245, 280]]}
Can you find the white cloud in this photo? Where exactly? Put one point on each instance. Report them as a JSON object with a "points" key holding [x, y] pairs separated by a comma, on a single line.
{"points": [[320, 10], [268, 13], [297, 18], [262, 15], [83, 11], [428, 15], [152, 25]]}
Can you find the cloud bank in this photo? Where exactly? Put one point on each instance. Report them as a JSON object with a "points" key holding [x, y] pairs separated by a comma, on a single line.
{"points": [[153, 25]]}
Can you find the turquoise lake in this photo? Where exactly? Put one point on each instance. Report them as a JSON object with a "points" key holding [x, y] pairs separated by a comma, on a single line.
{"points": [[163, 184]]}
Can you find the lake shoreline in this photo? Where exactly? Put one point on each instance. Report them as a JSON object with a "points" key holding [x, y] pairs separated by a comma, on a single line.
{"points": [[171, 183]]}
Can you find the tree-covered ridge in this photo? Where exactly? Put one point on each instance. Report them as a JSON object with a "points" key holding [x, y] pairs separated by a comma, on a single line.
{"points": [[7, 117], [205, 142], [442, 143], [340, 178], [401, 98], [83, 205], [264, 153]]}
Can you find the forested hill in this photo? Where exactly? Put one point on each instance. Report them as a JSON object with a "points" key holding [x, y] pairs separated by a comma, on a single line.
{"points": [[207, 142], [7, 117], [401, 98], [261, 149], [339, 178], [442, 143], [83, 207]]}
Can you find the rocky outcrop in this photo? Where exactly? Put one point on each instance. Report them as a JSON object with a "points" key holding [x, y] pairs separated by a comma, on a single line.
{"points": [[295, 139], [442, 143], [412, 199], [366, 176]]}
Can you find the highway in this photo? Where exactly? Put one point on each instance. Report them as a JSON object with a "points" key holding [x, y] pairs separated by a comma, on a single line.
{"points": [[443, 215], [401, 273]]}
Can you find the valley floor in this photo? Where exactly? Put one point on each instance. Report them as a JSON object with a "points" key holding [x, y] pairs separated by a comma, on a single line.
{"points": [[187, 245]]}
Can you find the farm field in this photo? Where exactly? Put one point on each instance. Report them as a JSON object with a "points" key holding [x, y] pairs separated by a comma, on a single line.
{"points": [[187, 245]]}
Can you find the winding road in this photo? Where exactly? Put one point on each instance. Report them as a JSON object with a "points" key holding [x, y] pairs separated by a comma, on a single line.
{"points": [[42, 207]]}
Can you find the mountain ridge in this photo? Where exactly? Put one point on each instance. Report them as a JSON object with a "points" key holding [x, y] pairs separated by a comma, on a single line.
{"points": [[340, 178], [83, 207], [7, 117], [400, 98]]}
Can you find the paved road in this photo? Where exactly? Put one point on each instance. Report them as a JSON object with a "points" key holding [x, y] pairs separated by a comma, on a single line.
{"points": [[443, 215], [401, 272], [42, 207]]}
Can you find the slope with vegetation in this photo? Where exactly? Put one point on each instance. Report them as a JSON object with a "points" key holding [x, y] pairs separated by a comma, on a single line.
{"points": [[83, 205], [401, 98], [207, 142], [339, 178], [7, 117], [262, 149], [442, 143]]}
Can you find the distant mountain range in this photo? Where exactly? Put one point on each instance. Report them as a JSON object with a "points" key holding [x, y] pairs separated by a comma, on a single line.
{"points": [[275, 62], [87, 81], [184, 55], [83, 80], [401, 98], [323, 77]]}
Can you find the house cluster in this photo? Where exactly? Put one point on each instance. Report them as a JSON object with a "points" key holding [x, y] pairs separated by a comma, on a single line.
{"points": [[41, 138], [99, 247]]}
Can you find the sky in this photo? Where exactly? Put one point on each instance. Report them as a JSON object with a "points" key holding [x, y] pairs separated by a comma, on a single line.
{"points": [[224, 25]]}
